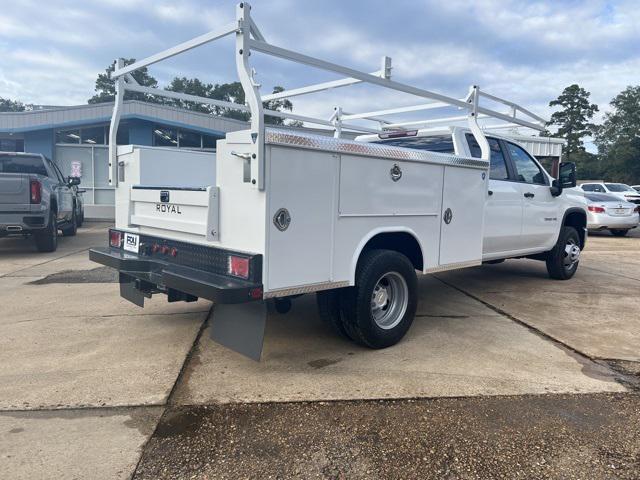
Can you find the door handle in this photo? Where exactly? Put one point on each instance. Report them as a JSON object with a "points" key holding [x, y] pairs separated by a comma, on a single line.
{"points": [[490, 192], [529, 195]]}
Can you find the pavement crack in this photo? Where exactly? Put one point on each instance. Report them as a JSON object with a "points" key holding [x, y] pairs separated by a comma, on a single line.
{"points": [[9, 274], [589, 364]]}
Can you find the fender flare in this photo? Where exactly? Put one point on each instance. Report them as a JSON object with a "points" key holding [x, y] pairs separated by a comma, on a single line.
{"points": [[372, 233], [569, 211]]}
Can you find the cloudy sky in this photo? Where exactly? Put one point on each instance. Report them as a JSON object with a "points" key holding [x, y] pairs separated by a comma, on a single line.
{"points": [[527, 51]]}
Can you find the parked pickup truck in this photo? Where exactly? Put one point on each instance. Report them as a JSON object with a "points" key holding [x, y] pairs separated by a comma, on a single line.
{"points": [[36, 199], [277, 213]]}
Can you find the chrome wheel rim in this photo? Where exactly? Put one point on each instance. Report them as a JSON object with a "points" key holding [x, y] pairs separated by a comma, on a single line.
{"points": [[389, 300], [571, 254]]}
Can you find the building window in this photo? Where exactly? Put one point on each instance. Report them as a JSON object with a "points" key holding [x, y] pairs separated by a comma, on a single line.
{"points": [[165, 137], [188, 139], [11, 145], [209, 141], [68, 136], [93, 135], [122, 137]]}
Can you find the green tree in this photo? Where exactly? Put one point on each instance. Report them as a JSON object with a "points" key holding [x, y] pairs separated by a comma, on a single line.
{"points": [[228, 92], [106, 86], [7, 105], [573, 119], [618, 139]]}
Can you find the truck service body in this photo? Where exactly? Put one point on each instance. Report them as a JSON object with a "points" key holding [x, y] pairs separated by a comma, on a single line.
{"points": [[278, 213]]}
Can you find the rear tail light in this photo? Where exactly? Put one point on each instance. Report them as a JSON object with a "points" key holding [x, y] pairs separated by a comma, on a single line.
{"points": [[637, 209], [115, 239], [35, 187], [174, 252], [238, 267], [594, 209]]}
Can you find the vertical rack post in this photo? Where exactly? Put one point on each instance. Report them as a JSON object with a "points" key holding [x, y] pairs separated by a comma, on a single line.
{"points": [[474, 96], [251, 93], [336, 119], [113, 127]]}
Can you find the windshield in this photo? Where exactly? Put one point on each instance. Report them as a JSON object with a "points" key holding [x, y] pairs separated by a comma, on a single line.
{"points": [[619, 187], [22, 164], [436, 143], [601, 197]]}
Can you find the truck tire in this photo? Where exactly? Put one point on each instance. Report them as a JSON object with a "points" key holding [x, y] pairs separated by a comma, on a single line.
{"points": [[618, 232], [563, 259], [47, 239], [72, 227], [379, 310], [328, 302]]}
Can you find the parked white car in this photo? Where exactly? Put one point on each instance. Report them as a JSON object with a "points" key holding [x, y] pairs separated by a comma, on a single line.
{"points": [[621, 191], [606, 212]]}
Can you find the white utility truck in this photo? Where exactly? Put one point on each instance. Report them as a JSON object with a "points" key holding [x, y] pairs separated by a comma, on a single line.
{"points": [[278, 213]]}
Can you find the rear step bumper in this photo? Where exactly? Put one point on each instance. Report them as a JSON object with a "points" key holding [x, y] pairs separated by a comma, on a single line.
{"points": [[163, 275]]}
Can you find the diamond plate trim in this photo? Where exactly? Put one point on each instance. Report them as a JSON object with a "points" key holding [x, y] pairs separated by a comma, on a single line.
{"points": [[315, 287], [338, 145], [453, 266]]}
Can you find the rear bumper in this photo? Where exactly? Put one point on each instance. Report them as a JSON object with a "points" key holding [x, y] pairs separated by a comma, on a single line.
{"points": [[166, 276], [21, 222]]}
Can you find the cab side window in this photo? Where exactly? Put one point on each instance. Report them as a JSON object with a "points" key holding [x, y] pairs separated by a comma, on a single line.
{"points": [[589, 188], [498, 164], [527, 170]]}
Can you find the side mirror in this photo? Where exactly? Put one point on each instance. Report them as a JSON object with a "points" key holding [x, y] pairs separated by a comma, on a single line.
{"points": [[567, 175], [72, 181]]}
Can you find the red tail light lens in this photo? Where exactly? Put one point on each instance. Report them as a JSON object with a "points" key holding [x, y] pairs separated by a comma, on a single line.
{"points": [[115, 239], [174, 252], [239, 267], [35, 187], [594, 209]]}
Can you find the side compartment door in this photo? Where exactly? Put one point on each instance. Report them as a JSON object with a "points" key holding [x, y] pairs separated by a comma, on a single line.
{"points": [[462, 215], [503, 209], [540, 220]]}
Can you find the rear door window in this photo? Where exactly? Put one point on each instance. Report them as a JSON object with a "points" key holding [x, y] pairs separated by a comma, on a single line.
{"points": [[527, 170], [32, 165], [498, 164]]}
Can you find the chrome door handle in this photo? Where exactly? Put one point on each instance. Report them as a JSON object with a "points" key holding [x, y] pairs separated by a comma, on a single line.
{"points": [[529, 195], [246, 156]]}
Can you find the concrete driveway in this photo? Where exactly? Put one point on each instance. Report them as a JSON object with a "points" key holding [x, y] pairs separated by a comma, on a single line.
{"points": [[102, 389]]}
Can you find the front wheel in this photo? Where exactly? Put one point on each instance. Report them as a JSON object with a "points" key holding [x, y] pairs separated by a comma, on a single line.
{"points": [[563, 259], [618, 232], [379, 310]]}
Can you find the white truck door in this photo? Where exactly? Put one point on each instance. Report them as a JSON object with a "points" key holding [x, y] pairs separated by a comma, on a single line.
{"points": [[503, 210], [540, 223]]}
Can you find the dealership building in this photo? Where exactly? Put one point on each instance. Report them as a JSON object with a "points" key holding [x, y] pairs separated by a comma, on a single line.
{"points": [[76, 139]]}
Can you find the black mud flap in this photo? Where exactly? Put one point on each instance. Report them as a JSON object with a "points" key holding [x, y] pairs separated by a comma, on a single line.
{"points": [[128, 290], [240, 327]]}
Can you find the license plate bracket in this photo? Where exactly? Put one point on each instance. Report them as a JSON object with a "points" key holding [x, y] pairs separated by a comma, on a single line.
{"points": [[131, 242]]}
